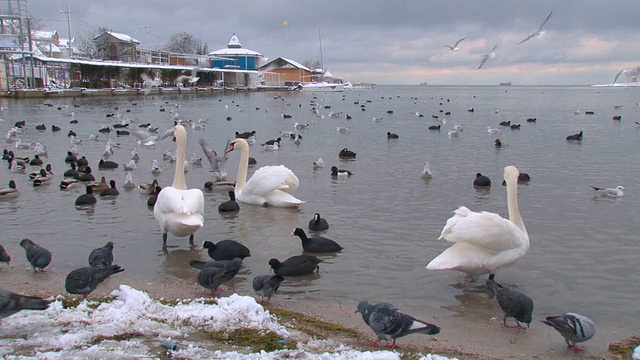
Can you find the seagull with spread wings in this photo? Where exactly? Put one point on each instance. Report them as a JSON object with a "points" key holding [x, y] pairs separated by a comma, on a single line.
{"points": [[455, 46], [485, 57], [537, 32]]}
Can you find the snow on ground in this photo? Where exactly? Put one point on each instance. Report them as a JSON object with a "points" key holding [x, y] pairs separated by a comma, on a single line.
{"points": [[90, 331]]}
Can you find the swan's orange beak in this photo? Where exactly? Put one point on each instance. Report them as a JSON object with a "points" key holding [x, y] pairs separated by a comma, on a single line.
{"points": [[229, 149]]}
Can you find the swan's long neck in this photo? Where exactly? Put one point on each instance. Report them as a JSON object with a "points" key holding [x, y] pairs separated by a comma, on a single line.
{"points": [[181, 144], [512, 204], [243, 164]]}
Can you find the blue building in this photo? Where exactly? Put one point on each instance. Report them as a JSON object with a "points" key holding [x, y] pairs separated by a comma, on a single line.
{"points": [[234, 57]]}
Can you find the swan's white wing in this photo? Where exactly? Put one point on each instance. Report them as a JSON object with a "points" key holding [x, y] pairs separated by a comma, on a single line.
{"points": [[482, 229], [177, 201], [270, 178], [180, 212]]}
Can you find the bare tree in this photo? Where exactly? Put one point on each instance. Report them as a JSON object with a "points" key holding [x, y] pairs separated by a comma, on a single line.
{"points": [[312, 64], [184, 43], [92, 45]]}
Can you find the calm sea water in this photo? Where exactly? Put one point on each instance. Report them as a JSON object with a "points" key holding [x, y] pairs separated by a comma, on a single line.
{"points": [[584, 249]]}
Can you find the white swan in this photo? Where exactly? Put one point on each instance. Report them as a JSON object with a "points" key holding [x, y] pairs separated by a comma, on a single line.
{"points": [[177, 210], [269, 185], [484, 241]]}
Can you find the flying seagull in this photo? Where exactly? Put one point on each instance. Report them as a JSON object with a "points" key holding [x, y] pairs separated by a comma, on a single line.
{"points": [[455, 46], [490, 55], [539, 31]]}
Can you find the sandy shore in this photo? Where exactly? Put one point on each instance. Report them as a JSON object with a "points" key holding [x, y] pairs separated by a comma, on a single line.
{"points": [[461, 336]]}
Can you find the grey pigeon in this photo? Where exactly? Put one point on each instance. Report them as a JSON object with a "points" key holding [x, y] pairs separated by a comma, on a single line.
{"points": [[388, 323], [513, 303], [295, 265], [316, 244], [226, 250], [4, 255], [318, 223], [11, 303], [38, 257], [212, 277], [575, 328], [266, 285], [84, 280], [102, 256], [201, 265]]}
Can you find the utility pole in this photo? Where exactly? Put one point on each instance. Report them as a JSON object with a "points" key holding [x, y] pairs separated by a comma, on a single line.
{"points": [[148, 36], [68, 12]]}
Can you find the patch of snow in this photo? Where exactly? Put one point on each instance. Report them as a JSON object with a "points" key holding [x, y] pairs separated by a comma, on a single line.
{"points": [[91, 331]]}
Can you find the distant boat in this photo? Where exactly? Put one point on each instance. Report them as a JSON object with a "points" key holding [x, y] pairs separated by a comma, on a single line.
{"points": [[321, 86], [505, 83], [423, 83]]}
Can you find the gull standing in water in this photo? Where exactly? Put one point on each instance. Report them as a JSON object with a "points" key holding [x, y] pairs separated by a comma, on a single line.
{"points": [[537, 32], [455, 46], [485, 57]]}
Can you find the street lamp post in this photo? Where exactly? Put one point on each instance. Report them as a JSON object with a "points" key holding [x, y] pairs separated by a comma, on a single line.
{"points": [[68, 12]]}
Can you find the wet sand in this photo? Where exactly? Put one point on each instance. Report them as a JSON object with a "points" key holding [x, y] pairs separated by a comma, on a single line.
{"points": [[466, 337]]}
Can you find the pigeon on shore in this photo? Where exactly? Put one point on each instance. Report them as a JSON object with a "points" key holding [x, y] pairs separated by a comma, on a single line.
{"points": [[38, 257], [226, 250], [388, 323], [266, 286], [513, 304], [212, 277], [102, 256], [84, 280], [317, 244], [574, 328], [11, 303], [4, 255]]}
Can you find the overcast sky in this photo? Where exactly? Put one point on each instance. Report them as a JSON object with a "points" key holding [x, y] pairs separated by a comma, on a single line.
{"points": [[390, 42]]}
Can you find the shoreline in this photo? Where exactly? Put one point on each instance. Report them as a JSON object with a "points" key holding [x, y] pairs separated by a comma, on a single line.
{"points": [[134, 92], [461, 336]]}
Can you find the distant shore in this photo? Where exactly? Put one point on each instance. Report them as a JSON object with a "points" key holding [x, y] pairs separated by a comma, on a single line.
{"points": [[86, 92]]}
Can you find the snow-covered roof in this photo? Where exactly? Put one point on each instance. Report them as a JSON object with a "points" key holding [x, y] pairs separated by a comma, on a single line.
{"points": [[133, 65], [44, 35], [47, 47], [236, 52], [234, 42], [64, 42], [234, 48], [291, 62], [123, 37]]}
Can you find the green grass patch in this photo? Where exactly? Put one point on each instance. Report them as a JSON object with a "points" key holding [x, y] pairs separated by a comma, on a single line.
{"points": [[312, 325], [256, 340]]}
